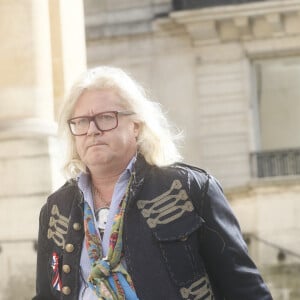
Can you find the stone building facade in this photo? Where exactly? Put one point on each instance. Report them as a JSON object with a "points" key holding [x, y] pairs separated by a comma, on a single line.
{"points": [[226, 72]]}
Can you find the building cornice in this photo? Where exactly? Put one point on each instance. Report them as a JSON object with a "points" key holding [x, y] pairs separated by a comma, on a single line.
{"points": [[257, 20]]}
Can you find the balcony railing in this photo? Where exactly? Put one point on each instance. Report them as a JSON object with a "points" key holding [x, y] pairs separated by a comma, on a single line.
{"points": [[276, 163], [191, 4]]}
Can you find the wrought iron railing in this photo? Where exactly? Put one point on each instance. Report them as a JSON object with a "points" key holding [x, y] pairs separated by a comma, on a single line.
{"points": [[276, 163], [191, 4]]}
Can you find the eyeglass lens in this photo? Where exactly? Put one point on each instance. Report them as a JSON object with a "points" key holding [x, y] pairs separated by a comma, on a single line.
{"points": [[103, 121]]}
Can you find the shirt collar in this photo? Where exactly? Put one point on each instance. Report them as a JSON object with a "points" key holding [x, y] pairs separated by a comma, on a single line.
{"points": [[84, 178]]}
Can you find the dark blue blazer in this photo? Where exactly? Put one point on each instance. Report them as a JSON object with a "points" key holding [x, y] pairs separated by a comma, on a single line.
{"points": [[181, 240]]}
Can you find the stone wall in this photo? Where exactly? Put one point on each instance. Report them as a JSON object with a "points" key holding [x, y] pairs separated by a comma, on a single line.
{"points": [[198, 64]]}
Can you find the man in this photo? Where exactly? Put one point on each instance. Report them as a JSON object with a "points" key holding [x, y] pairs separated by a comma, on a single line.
{"points": [[132, 223]]}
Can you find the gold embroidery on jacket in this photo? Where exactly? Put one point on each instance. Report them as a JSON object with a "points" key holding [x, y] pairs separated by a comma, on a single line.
{"points": [[200, 289], [167, 207], [58, 227]]}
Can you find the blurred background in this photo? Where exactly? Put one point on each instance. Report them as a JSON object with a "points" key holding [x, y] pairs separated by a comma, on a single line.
{"points": [[227, 72]]}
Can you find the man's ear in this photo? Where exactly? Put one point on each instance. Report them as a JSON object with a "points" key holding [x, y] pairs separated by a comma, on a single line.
{"points": [[136, 129]]}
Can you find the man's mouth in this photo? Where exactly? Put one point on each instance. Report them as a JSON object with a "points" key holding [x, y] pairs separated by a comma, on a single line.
{"points": [[96, 143]]}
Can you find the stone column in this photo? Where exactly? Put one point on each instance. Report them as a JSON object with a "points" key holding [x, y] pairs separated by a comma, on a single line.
{"points": [[38, 60]]}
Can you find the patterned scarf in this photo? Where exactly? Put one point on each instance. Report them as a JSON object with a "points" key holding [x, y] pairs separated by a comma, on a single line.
{"points": [[108, 278]]}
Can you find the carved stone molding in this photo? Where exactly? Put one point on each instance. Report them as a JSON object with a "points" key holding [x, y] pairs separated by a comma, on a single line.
{"points": [[246, 22]]}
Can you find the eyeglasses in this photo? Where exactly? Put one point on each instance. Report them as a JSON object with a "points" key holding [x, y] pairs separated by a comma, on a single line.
{"points": [[104, 121]]}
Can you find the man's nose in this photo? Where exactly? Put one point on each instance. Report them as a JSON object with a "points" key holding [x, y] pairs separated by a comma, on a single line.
{"points": [[93, 129]]}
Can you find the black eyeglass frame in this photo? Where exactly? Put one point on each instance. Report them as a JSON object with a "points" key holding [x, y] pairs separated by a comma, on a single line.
{"points": [[92, 118]]}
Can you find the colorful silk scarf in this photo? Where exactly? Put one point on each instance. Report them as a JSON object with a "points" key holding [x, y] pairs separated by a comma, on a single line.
{"points": [[108, 278]]}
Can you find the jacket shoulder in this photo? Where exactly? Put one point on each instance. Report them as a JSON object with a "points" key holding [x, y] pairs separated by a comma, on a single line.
{"points": [[67, 191], [63, 199], [198, 181], [196, 175]]}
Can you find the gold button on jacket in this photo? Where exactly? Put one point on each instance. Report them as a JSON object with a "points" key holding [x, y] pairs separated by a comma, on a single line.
{"points": [[77, 226], [69, 248], [66, 290], [66, 268]]}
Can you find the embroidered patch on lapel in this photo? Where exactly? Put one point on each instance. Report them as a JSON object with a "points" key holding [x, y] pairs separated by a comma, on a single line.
{"points": [[56, 281], [200, 289], [58, 227], [167, 207]]}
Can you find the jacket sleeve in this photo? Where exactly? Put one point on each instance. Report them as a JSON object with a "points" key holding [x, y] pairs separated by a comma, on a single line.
{"points": [[224, 251], [42, 277]]}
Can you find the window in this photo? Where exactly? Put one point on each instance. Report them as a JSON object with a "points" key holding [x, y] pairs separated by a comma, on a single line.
{"points": [[278, 117]]}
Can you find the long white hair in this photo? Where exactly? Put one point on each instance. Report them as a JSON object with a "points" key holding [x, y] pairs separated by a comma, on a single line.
{"points": [[157, 140]]}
